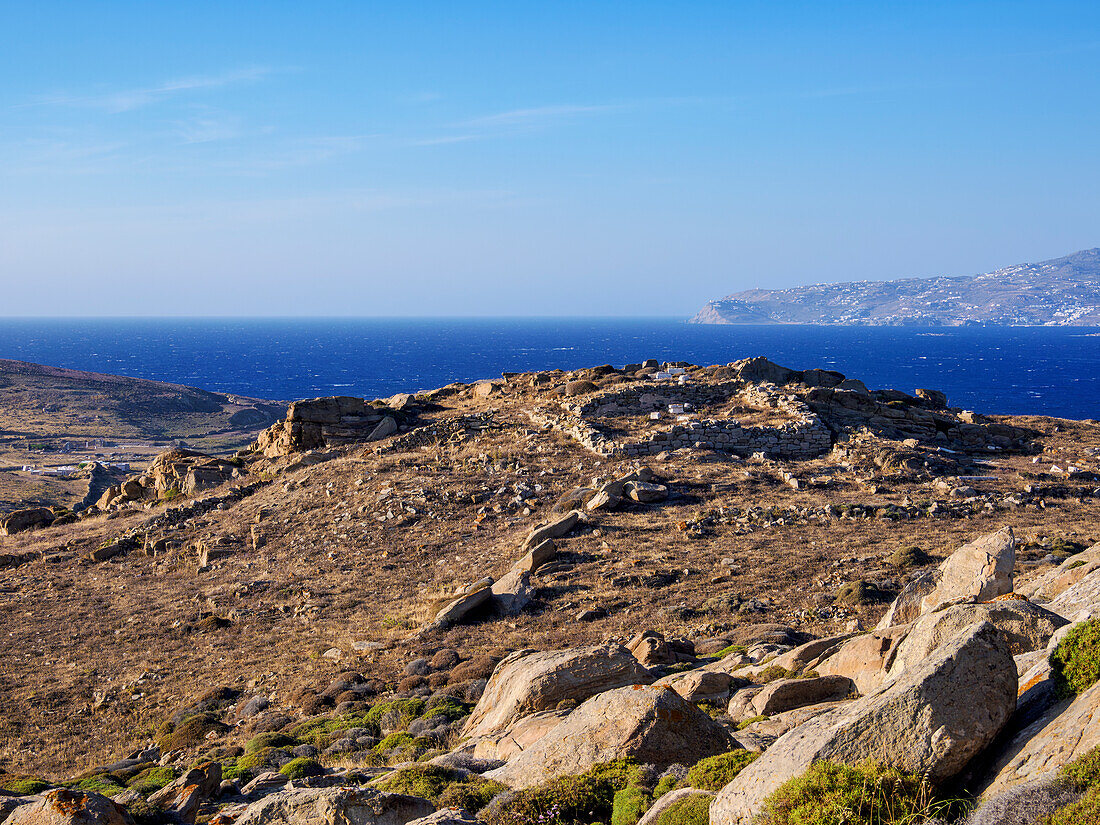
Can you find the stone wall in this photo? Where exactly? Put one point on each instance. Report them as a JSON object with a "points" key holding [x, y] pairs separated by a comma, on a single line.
{"points": [[804, 435]]}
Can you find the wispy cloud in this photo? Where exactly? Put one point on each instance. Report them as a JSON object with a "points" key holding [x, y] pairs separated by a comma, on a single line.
{"points": [[541, 115], [125, 100]]}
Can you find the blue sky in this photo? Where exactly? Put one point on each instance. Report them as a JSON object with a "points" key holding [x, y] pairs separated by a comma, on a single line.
{"points": [[588, 158]]}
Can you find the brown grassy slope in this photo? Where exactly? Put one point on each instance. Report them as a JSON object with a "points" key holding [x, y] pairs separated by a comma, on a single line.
{"points": [[365, 547]]}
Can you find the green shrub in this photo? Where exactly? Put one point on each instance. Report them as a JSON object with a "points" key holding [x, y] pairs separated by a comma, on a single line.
{"points": [[426, 781], [24, 785], [190, 732], [151, 780], [692, 810], [1085, 811], [406, 709], [906, 557], [864, 794], [471, 794], [269, 740], [715, 772], [729, 651], [621, 773], [260, 760], [1084, 771], [1076, 660], [744, 723], [771, 673], [568, 800], [629, 804], [664, 785], [301, 767], [102, 783]]}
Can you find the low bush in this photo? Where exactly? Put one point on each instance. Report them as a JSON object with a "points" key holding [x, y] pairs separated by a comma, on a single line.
{"points": [[471, 794], [864, 794], [427, 781], [23, 785], [190, 732], [629, 804], [151, 780], [715, 772], [691, 810], [1075, 662], [568, 800], [301, 767], [102, 783], [269, 740]]}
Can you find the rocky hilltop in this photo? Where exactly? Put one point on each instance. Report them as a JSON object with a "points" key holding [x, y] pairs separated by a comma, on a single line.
{"points": [[656, 593], [1059, 292]]}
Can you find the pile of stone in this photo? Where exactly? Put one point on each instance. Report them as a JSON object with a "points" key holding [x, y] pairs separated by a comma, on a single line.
{"points": [[173, 473]]}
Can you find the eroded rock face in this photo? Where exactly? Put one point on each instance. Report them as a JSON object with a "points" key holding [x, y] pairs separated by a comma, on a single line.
{"points": [[172, 472], [930, 720], [864, 659], [1082, 597], [1067, 730], [335, 806], [519, 737], [789, 694], [980, 570], [62, 806], [527, 682], [649, 723], [335, 421], [1055, 582]]}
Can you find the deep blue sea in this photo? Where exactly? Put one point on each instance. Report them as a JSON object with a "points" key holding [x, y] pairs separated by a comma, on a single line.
{"points": [[1047, 370]]}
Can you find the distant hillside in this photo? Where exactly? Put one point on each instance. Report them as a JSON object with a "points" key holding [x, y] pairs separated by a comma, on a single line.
{"points": [[1060, 292], [51, 402]]}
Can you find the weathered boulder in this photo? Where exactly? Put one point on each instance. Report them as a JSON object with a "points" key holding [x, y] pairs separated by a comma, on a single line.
{"points": [[650, 648], [518, 737], [1026, 627], [644, 492], [1081, 597], [527, 682], [699, 685], [1054, 582], [759, 370], [29, 519], [63, 806], [334, 421], [537, 556], [512, 592], [1067, 730], [335, 806], [864, 658], [651, 724], [474, 596], [553, 530], [980, 570], [181, 796], [930, 720], [788, 694], [447, 816], [906, 607]]}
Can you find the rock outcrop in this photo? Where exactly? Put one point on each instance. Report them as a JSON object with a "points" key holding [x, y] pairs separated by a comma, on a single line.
{"points": [[931, 720], [648, 723], [528, 682], [28, 519], [335, 421], [335, 806], [172, 473], [980, 570], [62, 806]]}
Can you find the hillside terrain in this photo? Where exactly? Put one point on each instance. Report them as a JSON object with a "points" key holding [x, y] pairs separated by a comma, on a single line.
{"points": [[54, 417], [1059, 292], [425, 600]]}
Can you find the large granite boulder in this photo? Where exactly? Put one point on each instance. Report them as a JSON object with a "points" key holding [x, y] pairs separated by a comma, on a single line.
{"points": [[864, 658], [518, 737], [789, 694], [930, 720], [28, 519], [527, 682], [980, 570], [1054, 582], [63, 806], [648, 723], [1083, 597], [1067, 730], [335, 806], [1026, 627]]}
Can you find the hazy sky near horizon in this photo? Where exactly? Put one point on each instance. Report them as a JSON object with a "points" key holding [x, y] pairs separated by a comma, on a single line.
{"points": [[572, 158]]}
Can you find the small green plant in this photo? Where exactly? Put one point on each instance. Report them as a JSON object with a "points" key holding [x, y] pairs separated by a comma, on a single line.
{"points": [[471, 794], [1076, 660], [865, 794], [691, 810], [427, 781], [23, 785], [1083, 774], [729, 651], [1084, 771], [101, 783], [151, 780], [715, 772], [190, 732], [269, 740], [568, 800], [301, 767], [629, 804], [744, 723]]}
